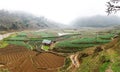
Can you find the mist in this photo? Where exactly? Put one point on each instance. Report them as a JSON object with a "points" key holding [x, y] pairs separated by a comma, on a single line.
{"points": [[96, 21]]}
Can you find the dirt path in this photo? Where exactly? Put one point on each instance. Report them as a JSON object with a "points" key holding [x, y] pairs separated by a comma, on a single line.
{"points": [[5, 35], [75, 61]]}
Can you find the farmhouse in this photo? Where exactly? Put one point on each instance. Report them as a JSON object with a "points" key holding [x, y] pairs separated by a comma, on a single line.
{"points": [[46, 44]]}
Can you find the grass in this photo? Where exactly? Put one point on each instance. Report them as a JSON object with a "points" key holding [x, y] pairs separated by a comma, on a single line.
{"points": [[79, 44], [104, 66], [4, 70], [107, 36], [66, 65], [46, 48], [89, 64], [116, 65], [3, 44], [17, 38], [90, 40], [37, 34], [82, 43], [34, 34], [101, 61], [67, 44], [20, 43]]}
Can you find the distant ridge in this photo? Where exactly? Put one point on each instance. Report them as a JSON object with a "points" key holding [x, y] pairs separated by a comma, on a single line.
{"points": [[22, 21], [96, 21]]}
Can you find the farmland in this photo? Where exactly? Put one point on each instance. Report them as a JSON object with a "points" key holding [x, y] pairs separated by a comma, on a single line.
{"points": [[14, 57], [82, 43], [59, 36], [22, 51], [30, 37], [76, 39]]}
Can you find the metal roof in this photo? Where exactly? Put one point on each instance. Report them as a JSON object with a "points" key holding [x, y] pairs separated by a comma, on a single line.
{"points": [[46, 41]]}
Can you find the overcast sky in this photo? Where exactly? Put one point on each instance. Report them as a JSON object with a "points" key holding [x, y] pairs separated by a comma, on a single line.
{"points": [[63, 11]]}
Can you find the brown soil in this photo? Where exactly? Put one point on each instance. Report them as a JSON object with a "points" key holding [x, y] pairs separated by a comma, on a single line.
{"points": [[19, 59]]}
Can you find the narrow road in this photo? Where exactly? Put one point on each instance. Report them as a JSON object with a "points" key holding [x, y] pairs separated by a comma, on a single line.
{"points": [[5, 35], [75, 61]]}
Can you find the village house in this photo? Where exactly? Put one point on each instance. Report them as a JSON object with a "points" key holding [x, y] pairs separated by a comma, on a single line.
{"points": [[46, 44]]}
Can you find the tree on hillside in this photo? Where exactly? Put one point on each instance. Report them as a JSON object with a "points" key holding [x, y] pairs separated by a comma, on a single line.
{"points": [[112, 6]]}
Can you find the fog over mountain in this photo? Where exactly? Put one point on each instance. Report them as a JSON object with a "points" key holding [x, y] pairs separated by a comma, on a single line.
{"points": [[22, 21], [96, 21]]}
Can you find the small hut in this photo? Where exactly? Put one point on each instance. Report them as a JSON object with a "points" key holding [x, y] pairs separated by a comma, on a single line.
{"points": [[46, 42]]}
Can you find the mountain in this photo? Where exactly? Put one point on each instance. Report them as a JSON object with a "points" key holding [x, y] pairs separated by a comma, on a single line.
{"points": [[96, 21], [22, 21]]}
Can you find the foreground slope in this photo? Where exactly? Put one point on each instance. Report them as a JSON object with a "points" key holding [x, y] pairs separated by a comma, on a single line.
{"points": [[104, 58]]}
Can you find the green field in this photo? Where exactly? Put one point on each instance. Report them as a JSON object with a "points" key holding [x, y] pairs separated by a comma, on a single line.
{"points": [[46, 48], [37, 34], [82, 43], [3, 44], [67, 43], [107, 36], [30, 40]]}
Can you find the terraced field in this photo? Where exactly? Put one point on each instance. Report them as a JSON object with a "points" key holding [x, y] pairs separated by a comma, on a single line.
{"points": [[20, 59], [12, 53], [78, 44]]}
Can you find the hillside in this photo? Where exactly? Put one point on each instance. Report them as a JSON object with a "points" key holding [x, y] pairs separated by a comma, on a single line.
{"points": [[96, 21], [104, 58], [21, 21]]}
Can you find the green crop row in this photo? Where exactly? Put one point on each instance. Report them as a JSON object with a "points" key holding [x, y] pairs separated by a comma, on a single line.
{"points": [[20, 43], [42, 34], [107, 36], [66, 44], [81, 43], [17, 38], [90, 40]]}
